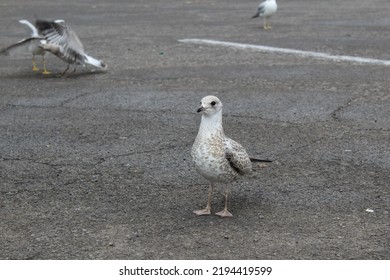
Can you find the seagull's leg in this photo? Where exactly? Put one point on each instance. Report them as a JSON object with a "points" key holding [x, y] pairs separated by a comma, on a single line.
{"points": [[207, 210], [45, 72], [225, 212], [74, 70], [63, 73], [269, 26], [265, 23], [35, 68]]}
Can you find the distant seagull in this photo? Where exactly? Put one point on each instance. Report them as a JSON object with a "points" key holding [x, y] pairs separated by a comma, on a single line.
{"points": [[217, 158], [265, 10], [31, 44], [63, 42]]}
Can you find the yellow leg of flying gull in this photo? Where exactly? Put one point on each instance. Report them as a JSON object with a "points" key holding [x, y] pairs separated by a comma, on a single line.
{"points": [[45, 72], [35, 68]]}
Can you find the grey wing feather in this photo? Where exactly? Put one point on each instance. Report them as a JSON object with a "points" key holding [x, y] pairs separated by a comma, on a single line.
{"points": [[237, 156], [58, 34], [19, 47]]}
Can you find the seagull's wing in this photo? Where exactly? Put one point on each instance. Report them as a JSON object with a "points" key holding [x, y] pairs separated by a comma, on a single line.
{"points": [[62, 39], [20, 47], [260, 10], [237, 156], [33, 30]]}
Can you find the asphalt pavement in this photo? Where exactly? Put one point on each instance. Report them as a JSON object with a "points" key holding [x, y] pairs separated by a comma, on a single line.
{"points": [[97, 165]]}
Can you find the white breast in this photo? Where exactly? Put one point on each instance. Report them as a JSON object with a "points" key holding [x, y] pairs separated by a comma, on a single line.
{"points": [[270, 8]]}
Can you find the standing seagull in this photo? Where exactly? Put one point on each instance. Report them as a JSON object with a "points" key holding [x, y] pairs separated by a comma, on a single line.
{"points": [[266, 9], [217, 158], [32, 44], [63, 42]]}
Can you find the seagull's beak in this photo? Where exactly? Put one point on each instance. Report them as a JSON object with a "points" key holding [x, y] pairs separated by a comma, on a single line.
{"points": [[200, 109]]}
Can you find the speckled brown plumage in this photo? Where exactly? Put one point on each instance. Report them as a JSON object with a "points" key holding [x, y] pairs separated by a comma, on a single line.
{"points": [[217, 157]]}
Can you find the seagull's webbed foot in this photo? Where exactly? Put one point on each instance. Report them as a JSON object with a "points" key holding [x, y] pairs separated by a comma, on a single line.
{"points": [[35, 68], [224, 213], [203, 212]]}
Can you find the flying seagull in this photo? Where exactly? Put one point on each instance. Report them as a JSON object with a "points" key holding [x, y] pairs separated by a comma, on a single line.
{"points": [[31, 44], [217, 158], [265, 10], [63, 42]]}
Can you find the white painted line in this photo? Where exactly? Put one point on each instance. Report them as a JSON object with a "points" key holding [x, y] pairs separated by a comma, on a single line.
{"points": [[326, 56]]}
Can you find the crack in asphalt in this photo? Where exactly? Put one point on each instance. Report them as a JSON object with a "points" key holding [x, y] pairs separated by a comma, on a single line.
{"points": [[336, 112], [74, 98]]}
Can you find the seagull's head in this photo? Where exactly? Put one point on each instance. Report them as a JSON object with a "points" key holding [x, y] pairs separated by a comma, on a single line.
{"points": [[103, 65], [210, 105]]}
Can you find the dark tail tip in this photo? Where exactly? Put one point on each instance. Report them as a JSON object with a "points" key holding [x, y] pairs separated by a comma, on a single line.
{"points": [[259, 160]]}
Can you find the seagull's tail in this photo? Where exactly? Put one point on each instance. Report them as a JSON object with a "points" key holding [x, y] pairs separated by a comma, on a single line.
{"points": [[95, 62], [33, 29], [257, 14], [259, 160]]}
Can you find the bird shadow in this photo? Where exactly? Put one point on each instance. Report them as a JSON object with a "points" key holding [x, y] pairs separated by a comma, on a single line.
{"points": [[54, 75]]}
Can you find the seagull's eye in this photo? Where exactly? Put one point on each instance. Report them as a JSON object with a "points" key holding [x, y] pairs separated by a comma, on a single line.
{"points": [[213, 103]]}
